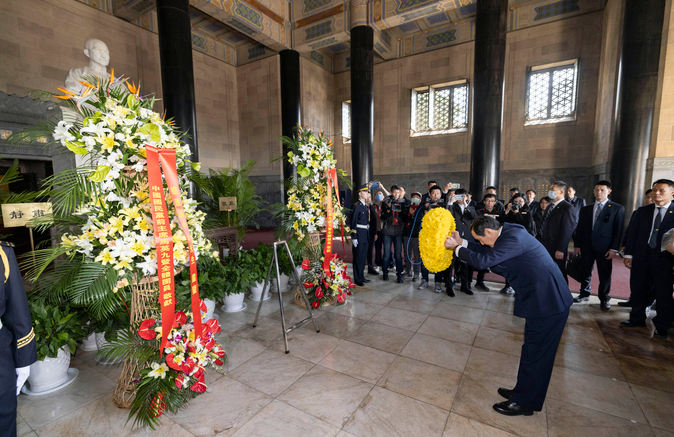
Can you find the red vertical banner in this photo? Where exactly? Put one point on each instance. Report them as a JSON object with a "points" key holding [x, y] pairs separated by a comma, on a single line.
{"points": [[327, 252], [167, 157], [164, 243]]}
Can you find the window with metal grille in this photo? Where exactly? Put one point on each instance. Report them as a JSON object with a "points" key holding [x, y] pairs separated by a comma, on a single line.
{"points": [[346, 121], [551, 93], [439, 109]]}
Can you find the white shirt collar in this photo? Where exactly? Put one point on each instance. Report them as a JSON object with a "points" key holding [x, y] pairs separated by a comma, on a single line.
{"points": [[665, 207], [557, 202]]}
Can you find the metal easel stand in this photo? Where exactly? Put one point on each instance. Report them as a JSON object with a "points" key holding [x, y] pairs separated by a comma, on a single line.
{"points": [[267, 283]]}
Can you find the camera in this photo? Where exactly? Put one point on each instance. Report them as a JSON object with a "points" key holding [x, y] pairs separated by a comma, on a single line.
{"points": [[515, 206], [397, 204], [374, 186], [440, 203]]}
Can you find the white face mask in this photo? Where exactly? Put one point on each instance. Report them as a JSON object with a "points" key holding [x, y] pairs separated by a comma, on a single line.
{"points": [[551, 194]]}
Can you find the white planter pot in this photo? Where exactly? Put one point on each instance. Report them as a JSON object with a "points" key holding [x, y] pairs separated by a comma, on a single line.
{"points": [[89, 343], [284, 282], [299, 275], [210, 307], [234, 303], [100, 358], [256, 292], [51, 373]]}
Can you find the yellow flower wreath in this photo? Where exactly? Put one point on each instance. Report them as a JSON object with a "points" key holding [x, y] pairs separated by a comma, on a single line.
{"points": [[437, 224]]}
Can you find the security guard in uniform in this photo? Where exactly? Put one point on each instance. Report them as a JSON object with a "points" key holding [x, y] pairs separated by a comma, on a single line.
{"points": [[17, 341], [360, 235]]}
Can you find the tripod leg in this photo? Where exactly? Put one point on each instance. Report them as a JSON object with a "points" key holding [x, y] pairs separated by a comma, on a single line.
{"points": [[280, 298], [264, 292], [304, 295]]}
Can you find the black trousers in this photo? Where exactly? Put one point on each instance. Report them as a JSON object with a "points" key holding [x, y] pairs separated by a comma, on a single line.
{"points": [[370, 249], [360, 255], [604, 268], [465, 273], [7, 392], [480, 276], [561, 263], [379, 250], [541, 338], [652, 277]]}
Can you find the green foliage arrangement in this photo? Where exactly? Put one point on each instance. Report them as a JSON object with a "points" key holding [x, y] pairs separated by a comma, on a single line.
{"points": [[213, 277], [56, 327]]}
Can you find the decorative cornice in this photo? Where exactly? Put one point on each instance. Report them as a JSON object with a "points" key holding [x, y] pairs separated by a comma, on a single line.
{"points": [[659, 163]]}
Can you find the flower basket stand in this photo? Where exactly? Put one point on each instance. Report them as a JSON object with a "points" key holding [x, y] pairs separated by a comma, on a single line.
{"points": [[144, 298], [267, 283]]}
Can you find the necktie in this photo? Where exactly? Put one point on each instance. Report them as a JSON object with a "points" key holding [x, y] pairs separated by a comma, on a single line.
{"points": [[548, 211], [596, 216], [653, 241]]}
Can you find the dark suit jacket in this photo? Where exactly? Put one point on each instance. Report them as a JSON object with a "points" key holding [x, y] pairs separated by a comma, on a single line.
{"points": [[639, 232], [533, 206], [577, 202], [528, 267], [558, 227], [464, 220], [607, 231]]}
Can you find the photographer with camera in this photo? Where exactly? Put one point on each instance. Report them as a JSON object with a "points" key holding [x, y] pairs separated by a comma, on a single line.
{"points": [[392, 211], [464, 216]]}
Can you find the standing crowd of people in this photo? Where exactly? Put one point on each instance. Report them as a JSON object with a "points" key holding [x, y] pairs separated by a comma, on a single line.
{"points": [[387, 224]]}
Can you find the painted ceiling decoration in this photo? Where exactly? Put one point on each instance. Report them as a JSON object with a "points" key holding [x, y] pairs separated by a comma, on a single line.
{"points": [[242, 31]]}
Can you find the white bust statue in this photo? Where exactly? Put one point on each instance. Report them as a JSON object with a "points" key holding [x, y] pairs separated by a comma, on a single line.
{"points": [[99, 58]]}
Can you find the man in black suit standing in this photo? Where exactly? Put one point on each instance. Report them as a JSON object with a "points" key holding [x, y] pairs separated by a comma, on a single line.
{"points": [[463, 216], [575, 201], [542, 298], [531, 201], [597, 238], [651, 267], [558, 225]]}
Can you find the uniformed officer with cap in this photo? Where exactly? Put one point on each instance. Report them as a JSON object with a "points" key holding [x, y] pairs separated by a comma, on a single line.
{"points": [[360, 234], [17, 341]]}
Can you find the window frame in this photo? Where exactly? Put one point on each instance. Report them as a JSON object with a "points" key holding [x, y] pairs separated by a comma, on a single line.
{"points": [[347, 139], [551, 68], [431, 90]]}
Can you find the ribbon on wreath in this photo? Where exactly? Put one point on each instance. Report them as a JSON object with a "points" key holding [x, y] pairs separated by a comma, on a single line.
{"points": [[163, 237], [332, 182]]}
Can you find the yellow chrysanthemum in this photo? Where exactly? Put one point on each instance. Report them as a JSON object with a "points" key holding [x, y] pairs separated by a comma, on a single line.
{"points": [[437, 224]]}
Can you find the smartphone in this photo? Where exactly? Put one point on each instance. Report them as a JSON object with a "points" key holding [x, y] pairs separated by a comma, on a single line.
{"points": [[459, 197], [454, 186], [374, 186]]}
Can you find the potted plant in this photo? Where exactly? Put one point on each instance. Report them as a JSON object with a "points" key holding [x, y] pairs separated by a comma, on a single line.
{"points": [[106, 329], [254, 263], [212, 277], [57, 331]]}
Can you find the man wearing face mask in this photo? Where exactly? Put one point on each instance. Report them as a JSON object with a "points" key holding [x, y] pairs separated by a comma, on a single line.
{"points": [[558, 225], [360, 228], [543, 299]]}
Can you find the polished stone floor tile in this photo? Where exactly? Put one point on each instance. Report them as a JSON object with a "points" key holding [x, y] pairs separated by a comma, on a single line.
{"points": [[662, 433], [657, 406], [269, 306], [280, 420], [500, 341], [358, 309], [238, 350], [224, 408], [102, 418], [359, 361], [501, 305], [587, 335], [336, 325], [462, 299], [413, 304], [308, 344], [403, 319], [475, 400], [267, 332], [345, 434], [595, 392], [648, 373], [271, 372], [502, 321], [22, 427], [636, 342], [579, 358], [447, 310], [493, 366], [375, 297], [422, 381], [230, 322], [566, 419], [426, 294], [328, 395], [37, 411], [294, 314], [388, 414], [443, 353], [449, 329], [459, 426], [382, 337]]}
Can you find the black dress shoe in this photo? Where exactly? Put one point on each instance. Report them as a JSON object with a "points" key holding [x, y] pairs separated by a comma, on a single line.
{"points": [[366, 281], [505, 392], [372, 271], [605, 306], [468, 291], [450, 292], [481, 286], [384, 278], [627, 303], [660, 334], [509, 408], [360, 284], [400, 280], [581, 299], [631, 324]]}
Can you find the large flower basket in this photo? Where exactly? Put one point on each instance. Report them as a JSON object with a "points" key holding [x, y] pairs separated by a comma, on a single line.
{"points": [[313, 246], [144, 297]]}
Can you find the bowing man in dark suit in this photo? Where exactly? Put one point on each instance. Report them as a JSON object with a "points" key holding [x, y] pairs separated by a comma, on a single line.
{"points": [[597, 238], [558, 225], [463, 216], [360, 236], [543, 299], [651, 267]]}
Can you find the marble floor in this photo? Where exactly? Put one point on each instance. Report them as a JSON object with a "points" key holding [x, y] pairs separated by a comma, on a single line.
{"points": [[394, 361]]}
